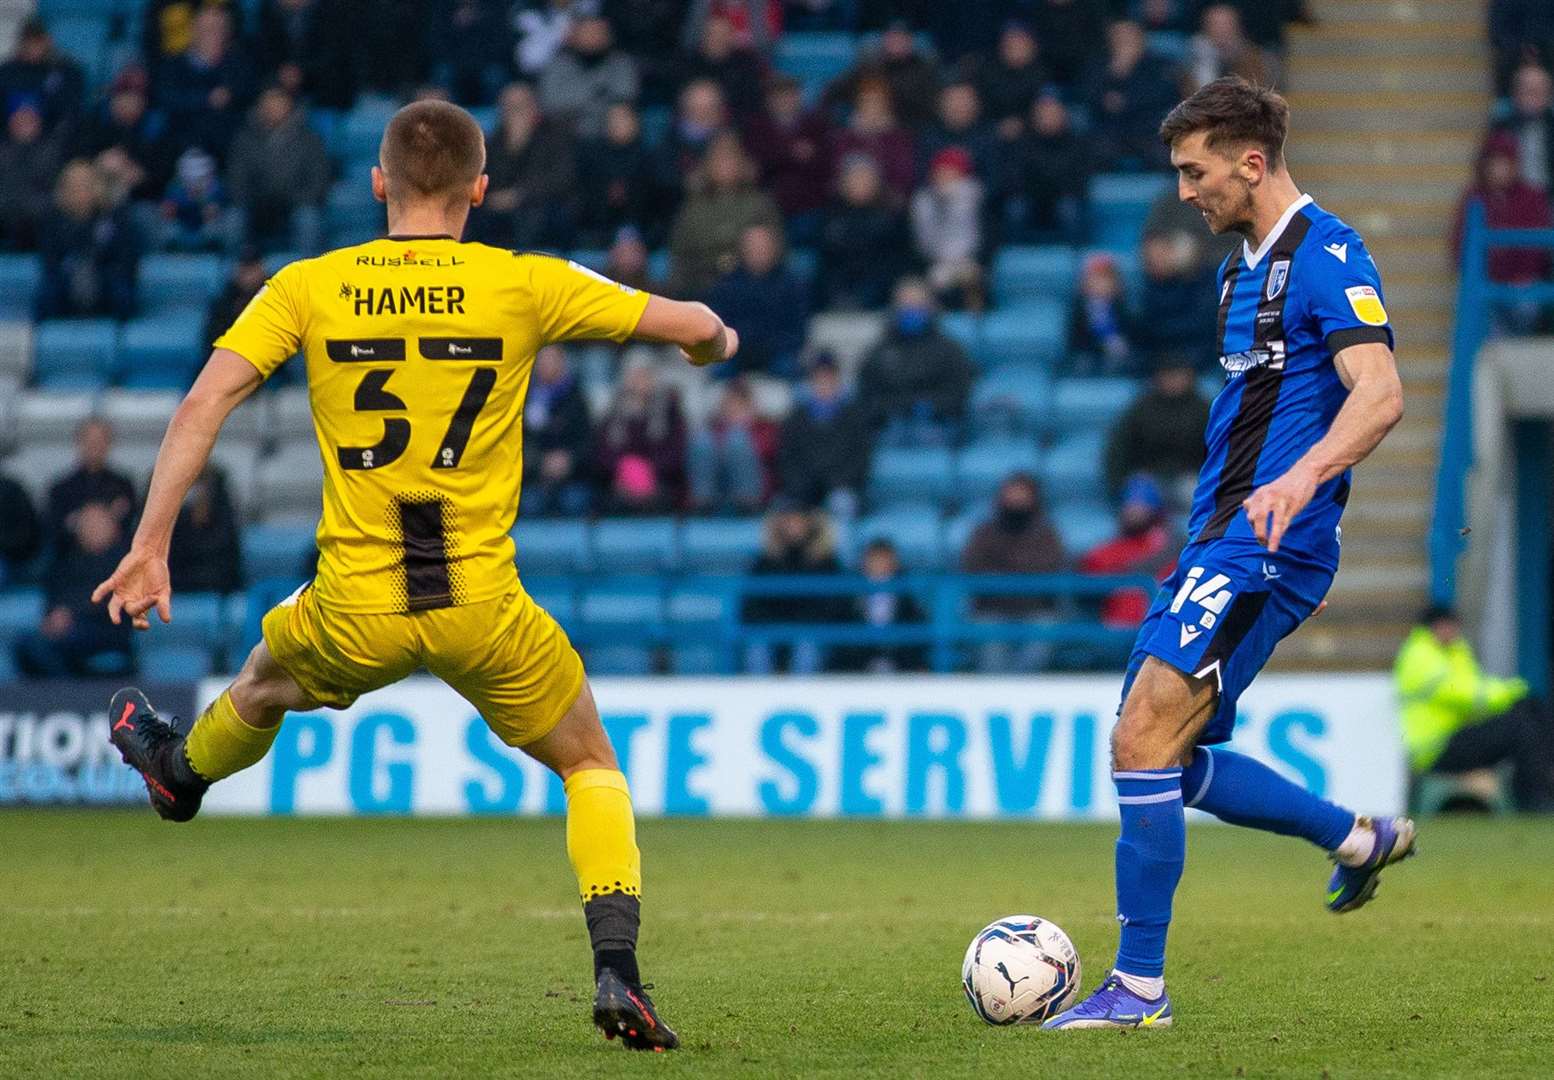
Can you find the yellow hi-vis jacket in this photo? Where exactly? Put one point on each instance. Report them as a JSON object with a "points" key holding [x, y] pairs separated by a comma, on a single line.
{"points": [[1442, 690]]}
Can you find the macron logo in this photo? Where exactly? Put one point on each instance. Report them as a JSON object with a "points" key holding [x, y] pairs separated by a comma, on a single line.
{"points": [[1189, 635], [1338, 251]]}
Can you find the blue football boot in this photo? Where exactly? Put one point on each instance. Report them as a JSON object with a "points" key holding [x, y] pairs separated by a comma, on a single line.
{"points": [[1351, 887], [1113, 1005]]}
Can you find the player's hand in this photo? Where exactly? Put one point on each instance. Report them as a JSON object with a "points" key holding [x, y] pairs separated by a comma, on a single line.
{"points": [[140, 583], [1273, 506], [703, 359]]}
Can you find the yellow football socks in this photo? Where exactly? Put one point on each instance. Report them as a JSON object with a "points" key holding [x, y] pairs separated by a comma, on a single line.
{"points": [[602, 834], [222, 744]]}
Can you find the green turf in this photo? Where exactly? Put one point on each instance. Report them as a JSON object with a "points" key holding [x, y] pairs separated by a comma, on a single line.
{"points": [[454, 949]]}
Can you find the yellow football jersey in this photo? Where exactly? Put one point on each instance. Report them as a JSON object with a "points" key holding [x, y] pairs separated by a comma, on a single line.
{"points": [[418, 352]]}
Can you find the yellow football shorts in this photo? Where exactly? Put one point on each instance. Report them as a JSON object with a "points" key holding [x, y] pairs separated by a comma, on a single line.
{"points": [[507, 657]]}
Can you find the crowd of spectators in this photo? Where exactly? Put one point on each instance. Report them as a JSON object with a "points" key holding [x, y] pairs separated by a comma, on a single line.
{"points": [[633, 126]]}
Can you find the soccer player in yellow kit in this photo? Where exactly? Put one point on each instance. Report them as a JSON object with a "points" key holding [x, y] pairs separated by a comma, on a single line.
{"points": [[419, 350]]}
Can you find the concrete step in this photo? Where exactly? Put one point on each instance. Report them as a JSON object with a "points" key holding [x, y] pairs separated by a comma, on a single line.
{"points": [[1340, 43], [1369, 13], [1376, 217], [1372, 75], [1387, 187], [1443, 147], [1346, 114]]}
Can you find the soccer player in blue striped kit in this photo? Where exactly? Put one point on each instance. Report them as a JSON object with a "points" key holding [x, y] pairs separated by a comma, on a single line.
{"points": [[1310, 389]]}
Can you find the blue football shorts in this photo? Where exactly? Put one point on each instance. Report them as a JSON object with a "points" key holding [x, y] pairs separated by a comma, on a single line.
{"points": [[1221, 613]]}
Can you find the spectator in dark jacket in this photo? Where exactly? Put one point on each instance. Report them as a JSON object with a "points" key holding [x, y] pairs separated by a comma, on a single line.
{"points": [[124, 128], [532, 163], [21, 533], [700, 115], [557, 439], [278, 171], [29, 163], [1100, 327], [641, 455], [587, 77], [40, 76], [911, 77], [1161, 433], [247, 278], [472, 49], [1520, 31], [883, 607], [958, 123], [824, 451], [1531, 123], [1047, 180], [1177, 304], [1011, 81], [1017, 539], [206, 555], [798, 541], [916, 377], [76, 638], [737, 68], [93, 482], [167, 27], [197, 210], [1070, 32], [865, 245], [874, 129], [1129, 94], [615, 174], [205, 89], [792, 146], [90, 250], [767, 302], [310, 47]]}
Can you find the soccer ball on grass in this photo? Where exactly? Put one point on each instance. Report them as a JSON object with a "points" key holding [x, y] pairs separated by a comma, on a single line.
{"points": [[1020, 970]]}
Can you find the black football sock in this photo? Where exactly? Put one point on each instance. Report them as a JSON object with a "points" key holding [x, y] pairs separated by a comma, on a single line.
{"points": [[613, 920]]}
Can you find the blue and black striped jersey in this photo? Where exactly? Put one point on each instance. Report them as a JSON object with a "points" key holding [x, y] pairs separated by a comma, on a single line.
{"points": [[1285, 310]]}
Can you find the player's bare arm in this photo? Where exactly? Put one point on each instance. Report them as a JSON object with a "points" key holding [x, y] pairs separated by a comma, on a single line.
{"points": [[694, 327], [141, 581], [1373, 408]]}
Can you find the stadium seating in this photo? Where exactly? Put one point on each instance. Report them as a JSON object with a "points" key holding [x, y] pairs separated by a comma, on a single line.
{"points": [[1072, 468], [1119, 203], [982, 466], [1090, 404], [815, 59], [552, 546], [635, 545], [183, 283], [1021, 272], [174, 663], [1012, 399], [277, 551], [719, 545], [904, 474], [289, 482], [159, 352], [1033, 332], [914, 528], [18, 284], [1082, 524], [75, 354]]}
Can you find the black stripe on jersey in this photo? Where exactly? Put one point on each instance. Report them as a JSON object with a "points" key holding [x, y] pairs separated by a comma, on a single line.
{"points": [[1260, 391], [425, 536], [461, 348], [364, 350], [451, 452], [1227, 295], [1234, 626]]}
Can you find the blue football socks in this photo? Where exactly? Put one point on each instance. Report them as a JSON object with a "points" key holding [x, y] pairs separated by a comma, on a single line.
{"points": [[1150, 854], [1243, 791]]}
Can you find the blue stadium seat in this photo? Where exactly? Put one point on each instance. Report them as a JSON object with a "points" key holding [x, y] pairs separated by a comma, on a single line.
{"points": [[21, 610], [1042, 270], [959, 529], [159, 352], [1011, 399], [180, 282], [551, 546], [18, 285], [911, 474], [556, 593], [719, 545], [83, 36], [656, 121], [632, 611], [982, 466], [964, 328], [361, 130], [635, 602], [914, 529], [1083, 524], [349, 220], [234, 627], [174, 663], [1119, 203], [1033, 332], [700, 615], [594, 258], [630, 545], [74, 353], [276, 551], [52, 9], [815, 58], [1073, 468], [618, 660], [1080, 404], [197, 621]]}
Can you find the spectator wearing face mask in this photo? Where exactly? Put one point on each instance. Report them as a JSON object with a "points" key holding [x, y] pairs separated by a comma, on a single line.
{"points": [[916, 378], [1144, 544], [826, 444], [1017, 539], [797, 541]]}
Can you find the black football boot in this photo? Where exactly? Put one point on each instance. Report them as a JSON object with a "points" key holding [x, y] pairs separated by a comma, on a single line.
{"points": [[155, 749], [623, 1009]]}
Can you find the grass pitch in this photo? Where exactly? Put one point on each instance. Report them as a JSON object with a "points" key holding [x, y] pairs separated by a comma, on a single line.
{"points": [[333, 948]]}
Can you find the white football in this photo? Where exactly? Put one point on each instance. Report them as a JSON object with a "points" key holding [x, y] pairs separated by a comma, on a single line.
{"points": [[1020, 970]]}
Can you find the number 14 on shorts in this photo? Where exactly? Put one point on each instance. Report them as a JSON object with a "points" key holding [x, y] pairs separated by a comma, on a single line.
{"points": [[1211, 596]]}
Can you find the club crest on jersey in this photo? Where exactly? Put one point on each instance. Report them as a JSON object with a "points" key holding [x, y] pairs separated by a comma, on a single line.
{"points": [[1278, 277]]}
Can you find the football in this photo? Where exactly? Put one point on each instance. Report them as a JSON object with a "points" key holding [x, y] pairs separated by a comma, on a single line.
{"points": [[1020, 970]]}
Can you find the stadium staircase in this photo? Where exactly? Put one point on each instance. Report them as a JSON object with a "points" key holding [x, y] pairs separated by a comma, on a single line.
{"points": [[1389, 100]]}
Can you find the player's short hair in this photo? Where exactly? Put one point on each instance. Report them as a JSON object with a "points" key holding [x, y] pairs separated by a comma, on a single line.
{"points": [[431, 150], [1233, 112]]}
